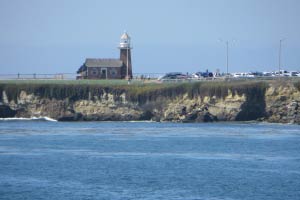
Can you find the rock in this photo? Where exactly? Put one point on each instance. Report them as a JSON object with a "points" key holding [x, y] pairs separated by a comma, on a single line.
{"points": [[6, 112], [147, 115], [200, 116], [191, 117], [283, 98], [206, 117], [71, 117]]}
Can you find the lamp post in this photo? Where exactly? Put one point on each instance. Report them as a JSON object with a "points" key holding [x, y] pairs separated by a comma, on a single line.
{"points": [[279, 55], [227, 56]]}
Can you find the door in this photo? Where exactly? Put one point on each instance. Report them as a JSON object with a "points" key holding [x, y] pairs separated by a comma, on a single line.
{"points": [[103, 73]]}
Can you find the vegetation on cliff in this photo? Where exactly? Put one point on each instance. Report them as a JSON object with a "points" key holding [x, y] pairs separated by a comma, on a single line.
{"points": [[297, 85], [274, 100], [138, 93]]}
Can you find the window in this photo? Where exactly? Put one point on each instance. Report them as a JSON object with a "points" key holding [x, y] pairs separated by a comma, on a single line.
{"points": [[94, 71], [113, 72]]}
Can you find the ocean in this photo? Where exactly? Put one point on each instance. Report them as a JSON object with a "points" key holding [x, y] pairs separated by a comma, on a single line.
{"points": [[42, 159]]}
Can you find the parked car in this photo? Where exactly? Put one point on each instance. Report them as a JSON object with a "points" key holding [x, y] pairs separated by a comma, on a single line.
{"points": [[238, 75], [243, 75], [282, 73], [256, 74], [267, 73], [294, 73], [174, 75], [203, 74]]}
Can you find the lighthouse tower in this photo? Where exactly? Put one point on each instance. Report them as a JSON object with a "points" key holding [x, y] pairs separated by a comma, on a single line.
{"points": [[125, 55]]}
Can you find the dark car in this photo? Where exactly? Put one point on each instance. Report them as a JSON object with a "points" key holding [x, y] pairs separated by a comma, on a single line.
{"points": [[204, 74], [174, 75]]}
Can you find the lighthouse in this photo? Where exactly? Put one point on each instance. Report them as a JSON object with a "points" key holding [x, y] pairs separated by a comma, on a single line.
{"points": [[109, 68], [125, 55]]}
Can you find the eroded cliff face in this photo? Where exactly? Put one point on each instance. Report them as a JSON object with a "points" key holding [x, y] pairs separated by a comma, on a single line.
{"points": [[276, 104], [282, 103], [207, 109]]}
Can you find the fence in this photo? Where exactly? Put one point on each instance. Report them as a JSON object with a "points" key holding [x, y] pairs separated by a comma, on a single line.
{"points": [[66, 76], [136, 76], [36, 76]]}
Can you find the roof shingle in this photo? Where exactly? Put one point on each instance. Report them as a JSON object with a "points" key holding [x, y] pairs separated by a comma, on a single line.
{"points": [[95, 62]]}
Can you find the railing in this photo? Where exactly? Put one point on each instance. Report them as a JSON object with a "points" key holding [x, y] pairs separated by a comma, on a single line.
{"points": [[230, 79], [36, 76], [136, 76], [147, 75], [66, 76]]}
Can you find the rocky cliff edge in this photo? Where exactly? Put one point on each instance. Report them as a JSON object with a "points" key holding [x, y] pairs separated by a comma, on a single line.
{"points": [[274, 102]]}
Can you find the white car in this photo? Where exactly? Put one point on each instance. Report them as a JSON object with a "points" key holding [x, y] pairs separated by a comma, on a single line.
{"points": [[267, 73], [294, 73], [243, 75]]}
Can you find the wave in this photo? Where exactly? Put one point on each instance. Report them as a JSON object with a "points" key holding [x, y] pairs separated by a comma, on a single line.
{"points": [[29, 119]]}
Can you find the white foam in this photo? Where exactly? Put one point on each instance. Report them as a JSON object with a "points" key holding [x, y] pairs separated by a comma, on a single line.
{"points": [[28, 119]]}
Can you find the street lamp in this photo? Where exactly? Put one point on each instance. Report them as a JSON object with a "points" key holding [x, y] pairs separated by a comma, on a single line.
{"points": [[227, 55], [227, 58], [279, 55]]}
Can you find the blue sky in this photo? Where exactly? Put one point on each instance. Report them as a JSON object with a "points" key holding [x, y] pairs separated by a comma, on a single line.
{"points": [[52, 36]]}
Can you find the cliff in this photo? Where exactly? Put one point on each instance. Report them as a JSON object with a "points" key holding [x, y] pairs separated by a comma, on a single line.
{"points": [[190, 102]]}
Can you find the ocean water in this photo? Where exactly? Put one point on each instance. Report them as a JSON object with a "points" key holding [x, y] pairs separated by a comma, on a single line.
{"points": [[142, 160]]}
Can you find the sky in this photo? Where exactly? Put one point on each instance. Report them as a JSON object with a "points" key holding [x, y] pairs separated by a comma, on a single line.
{"points": [[55, 36]]}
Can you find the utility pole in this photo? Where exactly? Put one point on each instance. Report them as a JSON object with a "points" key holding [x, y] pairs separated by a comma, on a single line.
{"points": [[227, 55], [279, 55], [227, 58]]}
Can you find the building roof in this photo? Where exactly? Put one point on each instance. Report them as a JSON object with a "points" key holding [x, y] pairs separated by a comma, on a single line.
{"points": [[95, 62]]}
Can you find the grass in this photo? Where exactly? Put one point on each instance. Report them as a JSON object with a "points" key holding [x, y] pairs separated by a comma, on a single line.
{"points": [[135, 92], [75, 89], [297, 85]]}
